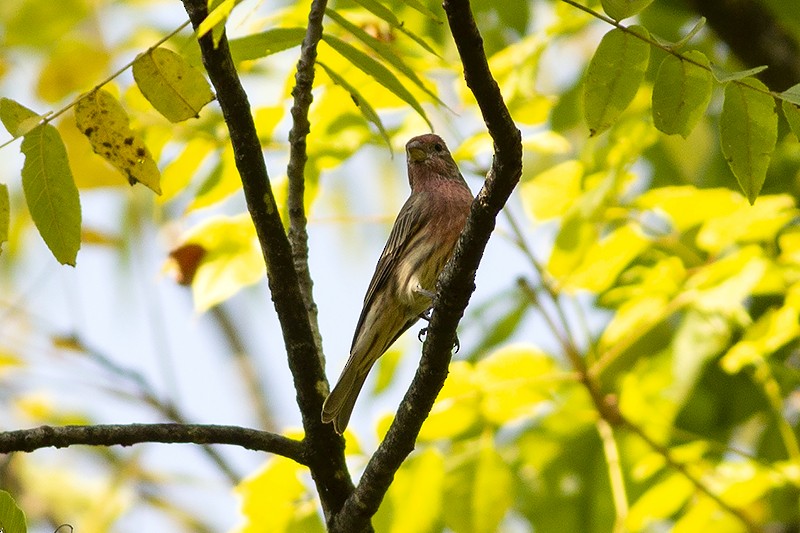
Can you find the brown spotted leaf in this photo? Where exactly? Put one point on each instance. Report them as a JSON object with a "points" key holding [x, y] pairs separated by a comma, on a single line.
{"points": [[105, 123]]}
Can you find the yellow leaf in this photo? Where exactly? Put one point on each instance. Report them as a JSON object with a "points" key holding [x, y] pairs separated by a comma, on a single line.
{"points": [[606, 259], [659, 503], [688, 206], [101, 118], [514, 381], [551, 193], [456, 407], [277, 482], [73, 65], [760, 222], [179, 172], [232, 261]]}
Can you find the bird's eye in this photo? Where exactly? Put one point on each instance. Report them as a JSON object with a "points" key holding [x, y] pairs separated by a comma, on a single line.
{"points": [[437, 147]]}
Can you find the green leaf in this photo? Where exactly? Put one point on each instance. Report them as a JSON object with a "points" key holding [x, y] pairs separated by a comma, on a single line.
{"points": [[792, 114], [383, 12], [12, 518], [514, 380], [479, 492], [50, 192], [384, 50], [17, 118], [681, 93], [376, 70], [792, 94], [417, 485], [176, 89], [5, 214], [361, 103], [219, 14], [266, 43], [748, 133], [613, 76], [423, 8], [101, 118], [724, 77], [622, 9]]}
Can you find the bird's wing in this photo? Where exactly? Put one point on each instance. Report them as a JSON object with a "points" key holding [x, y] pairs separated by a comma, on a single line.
{"points": [[410, 221]]}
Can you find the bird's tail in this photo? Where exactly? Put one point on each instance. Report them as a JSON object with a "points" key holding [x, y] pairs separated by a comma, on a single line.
{"points": [[339, 404]]}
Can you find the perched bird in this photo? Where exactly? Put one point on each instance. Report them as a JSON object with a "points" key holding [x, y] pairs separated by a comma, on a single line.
{"points": [[420, 243]]}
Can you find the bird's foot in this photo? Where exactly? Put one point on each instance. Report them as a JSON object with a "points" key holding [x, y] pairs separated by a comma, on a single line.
{"points": [[424, 332]]}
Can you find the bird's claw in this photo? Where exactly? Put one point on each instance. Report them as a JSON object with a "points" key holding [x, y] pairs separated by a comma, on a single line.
{"points": [[426, 314], [424, 331]]}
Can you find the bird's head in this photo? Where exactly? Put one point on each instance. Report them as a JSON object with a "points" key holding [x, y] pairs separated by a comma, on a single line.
{"points": [[430, 160]]}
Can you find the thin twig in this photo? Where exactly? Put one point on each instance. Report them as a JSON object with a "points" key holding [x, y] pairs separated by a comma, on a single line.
{"points": [[694, 480], [28, 440], [326, 449], [50, 117], [295, 171]]}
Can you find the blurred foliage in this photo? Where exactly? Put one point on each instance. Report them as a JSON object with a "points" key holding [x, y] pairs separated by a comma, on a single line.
{"points": [[671, 239]]}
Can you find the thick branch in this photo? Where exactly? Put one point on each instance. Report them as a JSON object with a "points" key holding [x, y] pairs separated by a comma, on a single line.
{"points": [[326, 449], [457, 281], [304, 81], [28, 440]]}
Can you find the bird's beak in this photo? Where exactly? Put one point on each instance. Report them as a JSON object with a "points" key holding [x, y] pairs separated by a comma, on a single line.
{"points": [[416, 154]]}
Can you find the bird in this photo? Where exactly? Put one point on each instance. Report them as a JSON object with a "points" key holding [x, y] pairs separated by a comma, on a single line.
{"points": [[420, 243]]}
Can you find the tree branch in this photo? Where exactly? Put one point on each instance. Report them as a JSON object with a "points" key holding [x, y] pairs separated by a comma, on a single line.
{"points": [[28, 440], [457, 282], [298, 236], [325, 449]]}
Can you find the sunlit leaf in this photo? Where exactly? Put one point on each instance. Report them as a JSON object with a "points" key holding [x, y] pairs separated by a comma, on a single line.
{"points": [[101, 118], [456, 408], [17, 118], [792, 114], [12, 518], [772, 330], [606, 258], [231, 261], [221, 182], [423, 8], [681, 93], [278, 482], [761, 222], [622, 9], [376, 70], [217, 16], [179, 172], [266, 43], [689, 206], [551, 193], [748, 132], [724, 285], [383, 12], [660, 502], [724, 77], [5, 214], [480, 492], [418, 485], [176, 89], [514, 380], [383, 50], [50, 192], [613, 76], [73, 66], [358, 99]]}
